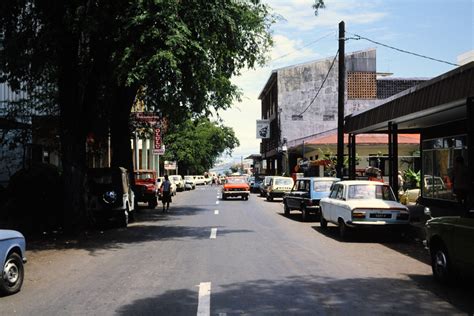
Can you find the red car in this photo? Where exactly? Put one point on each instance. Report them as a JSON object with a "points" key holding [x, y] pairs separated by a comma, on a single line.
{"points": [[146, 188], [235, 186]]}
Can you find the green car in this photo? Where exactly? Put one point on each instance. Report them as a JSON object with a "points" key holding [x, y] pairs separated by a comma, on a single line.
{"points": [[450, 240]]}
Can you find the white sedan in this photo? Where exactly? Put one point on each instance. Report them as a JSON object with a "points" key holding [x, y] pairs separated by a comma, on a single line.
{"points": [[12, 258], [361, 204]]}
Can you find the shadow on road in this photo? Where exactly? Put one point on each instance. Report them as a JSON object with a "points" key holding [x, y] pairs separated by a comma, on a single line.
{"points": [[393, 240], [298, 217], [150, 225], [303, 295]]}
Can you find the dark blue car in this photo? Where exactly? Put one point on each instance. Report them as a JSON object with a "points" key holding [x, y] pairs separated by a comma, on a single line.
{"points": [[306, 194]]}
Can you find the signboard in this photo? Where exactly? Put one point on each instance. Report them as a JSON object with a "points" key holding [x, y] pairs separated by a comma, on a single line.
{"points": [[157, 142], [170, 165], [263, 129]]}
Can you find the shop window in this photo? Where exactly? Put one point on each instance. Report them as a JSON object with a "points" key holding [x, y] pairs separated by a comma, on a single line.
{"points": [[439, 156]]}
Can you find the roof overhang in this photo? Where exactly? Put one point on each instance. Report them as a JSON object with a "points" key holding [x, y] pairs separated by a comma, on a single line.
{"points": [[437, 101]]}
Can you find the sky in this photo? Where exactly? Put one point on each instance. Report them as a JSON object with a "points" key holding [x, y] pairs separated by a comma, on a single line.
{"points": [[436, 28]]}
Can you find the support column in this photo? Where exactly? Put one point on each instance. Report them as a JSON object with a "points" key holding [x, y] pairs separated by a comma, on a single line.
{"points": [[390, 155], [352, 156], [393, 156], [151, 158], [470, 149], [144, 155], [136, 152]]}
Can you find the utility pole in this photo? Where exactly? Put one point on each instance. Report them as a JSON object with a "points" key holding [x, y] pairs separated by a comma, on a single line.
{"points": [[340, 102]]}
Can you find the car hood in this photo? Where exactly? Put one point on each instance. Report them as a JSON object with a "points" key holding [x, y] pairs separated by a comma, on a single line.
{"points": [[9, 234], [375, 203]]}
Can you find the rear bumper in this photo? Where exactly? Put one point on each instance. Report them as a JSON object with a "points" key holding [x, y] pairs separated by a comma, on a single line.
{"points": [[277, 194], [235, 193], [376, 223]]}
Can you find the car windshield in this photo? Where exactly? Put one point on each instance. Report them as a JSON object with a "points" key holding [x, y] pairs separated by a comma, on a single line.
{"points": [[370, 191], [235, 180], [286, 182], [175, 178], [188, 178], [143, 175], [322, 186]]}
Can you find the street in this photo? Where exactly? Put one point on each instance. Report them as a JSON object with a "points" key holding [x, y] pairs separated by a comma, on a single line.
{"points": [[234, 257]]}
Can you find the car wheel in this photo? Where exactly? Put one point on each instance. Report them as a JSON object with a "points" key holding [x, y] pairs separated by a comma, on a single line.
{"points": [[343, 229], [440, 264], [153, 203], [304, 213], [12, 274], [286, 208], [224, 197], [322, 221], [246, 197], [269, 198]]}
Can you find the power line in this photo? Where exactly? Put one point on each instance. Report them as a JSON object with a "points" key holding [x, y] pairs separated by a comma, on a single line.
{"points": [[358, 37], [322, 85], [309, 44]]}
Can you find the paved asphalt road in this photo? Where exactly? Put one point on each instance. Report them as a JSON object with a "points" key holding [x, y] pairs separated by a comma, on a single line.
{"points": [[248, 259]]}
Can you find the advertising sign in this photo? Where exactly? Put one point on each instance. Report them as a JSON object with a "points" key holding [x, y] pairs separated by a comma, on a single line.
{"points": [[263, 129], [170, 165], [157, 140]]}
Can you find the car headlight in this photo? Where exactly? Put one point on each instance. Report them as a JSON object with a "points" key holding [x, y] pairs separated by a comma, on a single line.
{"points": [[110, 197]]}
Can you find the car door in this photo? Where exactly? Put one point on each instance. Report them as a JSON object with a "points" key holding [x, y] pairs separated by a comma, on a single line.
{"points": [[463, 241], [298, 197], [327, 207], [290, 198]]}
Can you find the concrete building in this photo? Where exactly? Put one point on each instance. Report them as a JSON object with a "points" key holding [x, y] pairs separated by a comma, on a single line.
{"points": [[298, 105]]}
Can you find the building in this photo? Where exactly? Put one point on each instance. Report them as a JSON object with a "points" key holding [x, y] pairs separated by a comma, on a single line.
{"points": [[441, 110], [299, 106]]}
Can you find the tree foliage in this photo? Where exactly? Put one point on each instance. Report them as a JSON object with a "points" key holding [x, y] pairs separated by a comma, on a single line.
{"points": [[196, 144], [93, 57]]}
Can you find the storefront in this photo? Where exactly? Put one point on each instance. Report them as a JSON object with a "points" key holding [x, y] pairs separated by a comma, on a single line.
{"points": [[441, 111]]}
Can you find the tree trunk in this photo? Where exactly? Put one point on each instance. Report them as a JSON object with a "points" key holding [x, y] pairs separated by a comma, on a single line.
{"points": [[72, 135], [120, 136]]}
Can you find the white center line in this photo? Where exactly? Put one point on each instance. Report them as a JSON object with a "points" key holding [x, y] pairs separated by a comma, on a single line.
{"points": [[216, 212], [204, 302], [213, 233], [217, 202]]}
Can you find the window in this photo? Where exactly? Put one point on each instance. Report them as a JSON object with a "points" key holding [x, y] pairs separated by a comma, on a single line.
{"points": [[439, 156], [335, 191], [322, 186], [365, 191]]}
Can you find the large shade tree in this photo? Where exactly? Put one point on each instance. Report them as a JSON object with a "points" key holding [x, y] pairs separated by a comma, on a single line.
{"points": [[94, 56]]}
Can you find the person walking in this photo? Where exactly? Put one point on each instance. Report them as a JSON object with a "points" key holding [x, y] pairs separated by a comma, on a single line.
{"points": [[166, 193]]}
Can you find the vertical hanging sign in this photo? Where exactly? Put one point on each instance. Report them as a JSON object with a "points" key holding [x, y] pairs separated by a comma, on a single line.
{"points": [[159, 149]]}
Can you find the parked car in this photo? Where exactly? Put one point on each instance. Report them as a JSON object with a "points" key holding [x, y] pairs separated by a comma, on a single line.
{"points": [[12, 258], [189, 183], [450, 240], [278, 187], [357, 204], [199, 180], [146, 188], [264, 185], [255, 184], [178, 180], [235, 186], [306, 194], [110, 194]]}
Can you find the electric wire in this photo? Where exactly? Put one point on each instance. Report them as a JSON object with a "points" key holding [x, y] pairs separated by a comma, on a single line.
{"points": [[322, 84], [358, 37]]}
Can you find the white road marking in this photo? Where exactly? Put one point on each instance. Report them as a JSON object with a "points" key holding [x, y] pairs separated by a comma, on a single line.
{"points": [[204, 302], [216, 212], [213, 233], [217, 202]]}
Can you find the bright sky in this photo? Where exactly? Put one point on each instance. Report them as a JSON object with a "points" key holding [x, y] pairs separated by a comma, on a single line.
{"points": [[436, 28]]}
